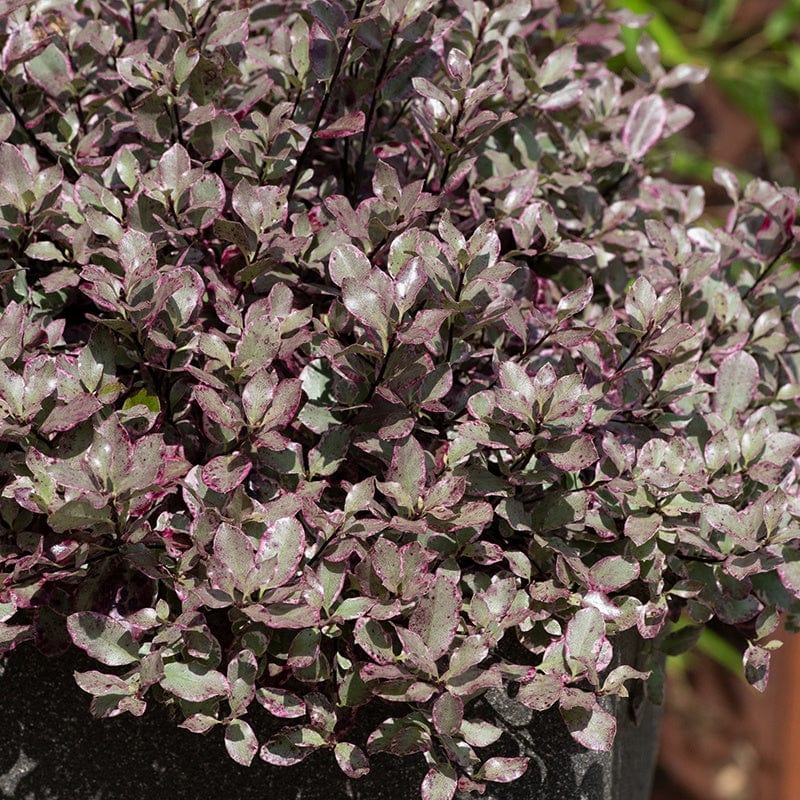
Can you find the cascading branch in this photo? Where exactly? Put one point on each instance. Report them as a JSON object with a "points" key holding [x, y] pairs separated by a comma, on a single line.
{"points": [[351, 350]]}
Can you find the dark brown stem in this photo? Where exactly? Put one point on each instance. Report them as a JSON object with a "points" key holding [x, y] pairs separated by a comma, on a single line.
{"points": [[326, 99], [132, 20], [373, 104]]}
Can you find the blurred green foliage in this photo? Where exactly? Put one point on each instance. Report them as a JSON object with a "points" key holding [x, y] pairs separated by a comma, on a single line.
{"points": [[752, 51], [710, 644]]}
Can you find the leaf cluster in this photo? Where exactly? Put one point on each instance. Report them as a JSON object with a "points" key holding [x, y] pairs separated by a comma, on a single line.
{"points": [[352, 352]]}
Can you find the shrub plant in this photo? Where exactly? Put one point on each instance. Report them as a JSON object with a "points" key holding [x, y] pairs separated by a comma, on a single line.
{"points": [[351, 351]]}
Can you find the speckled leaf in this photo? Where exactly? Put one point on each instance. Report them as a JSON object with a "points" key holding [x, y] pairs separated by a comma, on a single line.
{"points": [[230, 27], [641, 530], [374, 641], [409, 468], [437, 615], [108, 640], [448, 713], [439, 783], [242, 672], [224, 473], [612, 573], [369, 306], [234, 550], [540, 692], [199, 723], [737, 380], [351, 759], [174, 167], [137, 254], [756, 666], [348, 125], [280, 551], [100, 685], [574, 302], [280, 702], [502, 769], [240, 742], [589, 724], [291, 746], [347, 261], [585, 633], [572, 453], [17, 183], [194, 681], [216, 408], [76, 410], [479, 733]]}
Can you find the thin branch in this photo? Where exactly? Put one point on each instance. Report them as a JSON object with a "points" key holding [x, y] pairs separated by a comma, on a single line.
{"points": [[362, 155], [42, 150], [326, 99]]}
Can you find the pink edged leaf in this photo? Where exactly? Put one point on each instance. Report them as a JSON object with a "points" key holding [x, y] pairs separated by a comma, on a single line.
{"points": [[574, 302], [291, 746], [279, 554], [589, 724], [756, 666], [347, 261], [101, 685], [448, 714], [111, 454], [195, 682], [230, 27], [585, 635], [737, 380], [257, 396], [179, 293], [137, 254], [241, 675], [105, 639], [76, 410], [541, 692], [572, 453], [240, 742], [147, 463], [471, 652], [479, 733], [409, 468], [17, 177], [234, 550], [368, 305], [503, 770], [280, 702], [641, 529], [351, 759], [371, 637], [199, 723], [612, 573], [224, 473], [216, 408], [348, 125], [173, 168], [437, 615], [439, 784], [644, 125], [285, 615]]}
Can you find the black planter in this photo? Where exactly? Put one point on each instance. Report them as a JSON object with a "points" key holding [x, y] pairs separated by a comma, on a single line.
{"points": [[52, 749]]}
